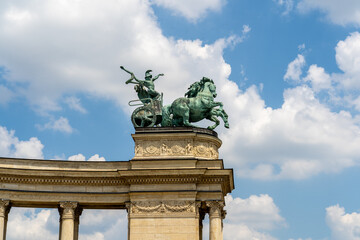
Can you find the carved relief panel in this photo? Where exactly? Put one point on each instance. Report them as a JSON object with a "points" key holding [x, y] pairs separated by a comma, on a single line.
{"points": [[175, 148], [168, 207]]}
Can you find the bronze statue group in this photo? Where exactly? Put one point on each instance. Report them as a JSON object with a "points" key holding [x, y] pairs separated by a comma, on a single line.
{"points": [[197, 104]]}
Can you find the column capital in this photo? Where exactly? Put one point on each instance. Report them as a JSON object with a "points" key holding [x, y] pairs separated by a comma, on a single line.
{"points": [[4, 207], [215, 208], [69, 210], [128, 206], [223, 214]]}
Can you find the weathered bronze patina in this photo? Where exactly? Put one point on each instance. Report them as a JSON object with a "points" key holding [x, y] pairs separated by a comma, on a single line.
{"points": [[197, 104]]}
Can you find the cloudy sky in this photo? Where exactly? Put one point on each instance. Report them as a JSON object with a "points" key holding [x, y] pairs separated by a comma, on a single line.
{"points": [[288, 72]]}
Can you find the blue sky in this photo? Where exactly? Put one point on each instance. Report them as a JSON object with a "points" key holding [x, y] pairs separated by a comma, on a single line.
{"points": [[288, 72]]}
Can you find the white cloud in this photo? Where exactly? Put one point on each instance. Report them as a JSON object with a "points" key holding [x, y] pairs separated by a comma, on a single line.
{"points": [[75, 104], [343, 225], [348, 60], [192, 10], [304, 137], [257, 212], [243, 232], [77, 157], [251, 218], [287, 4], [246, 29], [29, 149], [26, 223], [5, 95], [61, 125], [103, 224], [319, 79], [301, 139], [80, 157], [96, 157], [300, 239], [354, 101], [339, 12], [65, 38], [301, 47], [11, 146], [31, 224], [294, 69]]}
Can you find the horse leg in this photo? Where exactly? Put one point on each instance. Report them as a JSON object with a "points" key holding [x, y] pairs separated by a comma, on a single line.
{"points": [[186, 118], [224, 117], [214, 119], [213, 114], [221, 113]]}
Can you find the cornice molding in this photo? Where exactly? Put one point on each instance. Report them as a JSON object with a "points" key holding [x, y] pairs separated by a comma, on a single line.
{"points": [[59, 180]]}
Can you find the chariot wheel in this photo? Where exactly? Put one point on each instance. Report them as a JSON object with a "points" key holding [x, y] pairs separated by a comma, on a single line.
{"points": [[143, 117]]}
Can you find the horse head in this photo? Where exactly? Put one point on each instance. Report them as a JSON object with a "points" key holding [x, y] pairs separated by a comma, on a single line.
{"points": [[209, 86]]}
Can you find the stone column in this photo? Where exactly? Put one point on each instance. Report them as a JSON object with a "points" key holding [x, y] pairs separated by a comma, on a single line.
{"points": [[201, 218], [223, 215], [78, 212], [215, 217], [4, 211], [69, 220]]}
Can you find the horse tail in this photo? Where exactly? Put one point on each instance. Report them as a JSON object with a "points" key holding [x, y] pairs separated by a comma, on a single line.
{"points": [[166, 120]]}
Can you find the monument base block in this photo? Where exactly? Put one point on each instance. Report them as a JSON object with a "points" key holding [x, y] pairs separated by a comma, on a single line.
{"points": [[191, 181]]}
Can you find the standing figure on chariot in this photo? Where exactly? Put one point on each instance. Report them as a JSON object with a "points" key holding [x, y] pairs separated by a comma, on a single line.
{"points": [[149, 84], [145, 88]]}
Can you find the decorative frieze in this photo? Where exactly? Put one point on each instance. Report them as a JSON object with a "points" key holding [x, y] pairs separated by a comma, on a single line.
{"points": [[176, 148], [167, 207]]}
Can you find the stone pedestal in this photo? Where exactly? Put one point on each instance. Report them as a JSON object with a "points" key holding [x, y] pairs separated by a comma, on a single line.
{"points": [[4, 211], [190, 181]]}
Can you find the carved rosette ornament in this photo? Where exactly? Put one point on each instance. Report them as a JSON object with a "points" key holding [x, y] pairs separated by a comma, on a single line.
{"points": [[69, 210], [4, 207]]}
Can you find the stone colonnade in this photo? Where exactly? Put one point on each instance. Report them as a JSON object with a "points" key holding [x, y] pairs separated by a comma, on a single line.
{"points": [[173, 181], [70, 215]]}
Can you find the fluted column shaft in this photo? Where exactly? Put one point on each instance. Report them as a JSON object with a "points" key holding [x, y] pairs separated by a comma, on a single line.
{"points": [[4, 211], [69, 220], [215, 217]]}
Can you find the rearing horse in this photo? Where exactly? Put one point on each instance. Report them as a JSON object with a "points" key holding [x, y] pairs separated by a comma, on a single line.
{"points": [[198, 104]]}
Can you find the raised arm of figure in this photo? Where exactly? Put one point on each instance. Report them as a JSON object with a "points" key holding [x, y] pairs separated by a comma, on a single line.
{"points": [[132, 79], [157, 76]]}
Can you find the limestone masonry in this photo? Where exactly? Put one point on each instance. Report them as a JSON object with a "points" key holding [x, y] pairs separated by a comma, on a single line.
{"points": [[174, 179]]}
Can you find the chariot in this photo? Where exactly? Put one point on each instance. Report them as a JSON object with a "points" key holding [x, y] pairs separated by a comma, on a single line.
{"points": [[148, 114]]}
